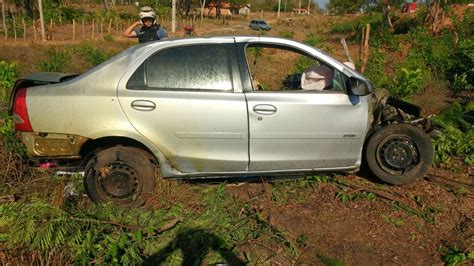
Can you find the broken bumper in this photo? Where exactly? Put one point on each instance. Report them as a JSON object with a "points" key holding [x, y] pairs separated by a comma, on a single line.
{"points": [[52, 145]]}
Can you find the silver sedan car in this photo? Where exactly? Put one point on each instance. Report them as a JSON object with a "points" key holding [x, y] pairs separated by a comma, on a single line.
{"points": [[220, 106]]}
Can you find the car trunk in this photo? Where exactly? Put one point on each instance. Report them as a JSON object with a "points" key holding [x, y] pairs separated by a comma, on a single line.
{"points": [[38, 79]]}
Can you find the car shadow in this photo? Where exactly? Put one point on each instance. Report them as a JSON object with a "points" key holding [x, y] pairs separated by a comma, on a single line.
{"points": [[195, 244]]}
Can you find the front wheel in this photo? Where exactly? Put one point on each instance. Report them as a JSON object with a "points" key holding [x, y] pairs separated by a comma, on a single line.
{"points": [[399, 154], [124, 176]]}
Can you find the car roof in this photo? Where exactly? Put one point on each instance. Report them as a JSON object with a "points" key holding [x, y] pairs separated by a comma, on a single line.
{"points": [[170, 42]]}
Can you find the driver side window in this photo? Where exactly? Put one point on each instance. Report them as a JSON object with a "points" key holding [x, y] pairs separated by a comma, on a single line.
{"points": [[281, 70]]}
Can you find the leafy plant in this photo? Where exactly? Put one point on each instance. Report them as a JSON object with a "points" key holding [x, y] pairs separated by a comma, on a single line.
{"points": [[398, 222], [56, 61], [94, 56], [375, 20], [426, 215], [287, 34], [344, 196], [461, 83], [454, 256], [109, 37], [376, 69], [458, 116], [457, 137], [453, 142], [313, 40], [10, 140], [103, 234], [302, 64], [407, 82], [8, 75]]}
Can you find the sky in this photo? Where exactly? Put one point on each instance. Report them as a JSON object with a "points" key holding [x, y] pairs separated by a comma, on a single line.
{"points": [[322, 3]]}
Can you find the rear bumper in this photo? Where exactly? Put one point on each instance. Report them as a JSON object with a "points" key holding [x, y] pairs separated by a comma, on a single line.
{"points": [[52, 145]]}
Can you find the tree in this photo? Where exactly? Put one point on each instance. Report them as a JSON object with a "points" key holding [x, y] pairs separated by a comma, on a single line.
{"points": [[344, 6], [27, 5]]}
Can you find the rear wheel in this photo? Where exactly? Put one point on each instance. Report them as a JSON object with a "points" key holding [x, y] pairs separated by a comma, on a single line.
{"points": [[399, 154], [124, 176]]}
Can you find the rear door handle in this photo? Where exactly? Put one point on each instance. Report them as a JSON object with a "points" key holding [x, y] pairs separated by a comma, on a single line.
{"points": [[143, 105], [264, 109]]}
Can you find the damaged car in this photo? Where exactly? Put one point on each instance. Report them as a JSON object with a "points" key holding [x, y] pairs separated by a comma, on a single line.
{"points": [[217, 107]]}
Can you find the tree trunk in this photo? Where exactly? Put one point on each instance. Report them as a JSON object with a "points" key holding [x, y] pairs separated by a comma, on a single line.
{"points": [[40, 10], [173, 17], [366, 48], [435, 18], [5, 30], [279, 5], [202, 10]]}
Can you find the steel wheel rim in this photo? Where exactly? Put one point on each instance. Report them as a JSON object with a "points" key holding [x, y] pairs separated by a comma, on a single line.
{"points": [[397, 154], [121, 182]]}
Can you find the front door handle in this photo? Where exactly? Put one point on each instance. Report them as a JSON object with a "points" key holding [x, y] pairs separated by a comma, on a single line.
{"points": [[264, 109], [143, 105]]}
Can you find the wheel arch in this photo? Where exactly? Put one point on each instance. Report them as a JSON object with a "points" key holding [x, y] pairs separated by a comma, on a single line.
{"points": [[105, 139], [93, 145]]}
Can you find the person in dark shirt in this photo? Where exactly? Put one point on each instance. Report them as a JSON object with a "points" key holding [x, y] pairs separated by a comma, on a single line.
{"points": [[149, 30]]}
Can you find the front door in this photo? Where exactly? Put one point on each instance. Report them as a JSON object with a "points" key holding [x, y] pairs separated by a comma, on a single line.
{"points": [[295, 128]]}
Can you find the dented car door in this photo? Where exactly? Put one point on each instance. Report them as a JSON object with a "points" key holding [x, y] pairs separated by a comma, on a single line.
{"points": [[293, 129]]}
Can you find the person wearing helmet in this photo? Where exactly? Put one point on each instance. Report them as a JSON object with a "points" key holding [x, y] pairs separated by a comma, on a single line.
{"points": [[149, 30]]}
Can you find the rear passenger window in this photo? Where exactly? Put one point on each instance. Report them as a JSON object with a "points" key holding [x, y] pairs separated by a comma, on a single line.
{"points": [[197, 67]]}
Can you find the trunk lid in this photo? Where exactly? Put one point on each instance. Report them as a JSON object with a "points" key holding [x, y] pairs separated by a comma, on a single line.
{"points": [[37, 79]]}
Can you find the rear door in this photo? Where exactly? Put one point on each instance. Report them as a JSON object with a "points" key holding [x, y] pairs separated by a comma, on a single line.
{"points": [[183, 100]]}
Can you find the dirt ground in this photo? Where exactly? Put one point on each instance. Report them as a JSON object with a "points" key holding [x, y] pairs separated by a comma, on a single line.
{"points": [[360, 231], [365, 232]]}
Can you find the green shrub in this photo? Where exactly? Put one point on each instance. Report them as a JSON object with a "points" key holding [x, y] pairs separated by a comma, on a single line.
{"points": [[434, 52], [287, 34], [461, 83], [457, 116], [406, 83], [457, 138], [313, 40], [464, 62], [69, 13], [375, 70], [116, 236], [302, 64], [454, 256], [11, 142], [8, 75], [404, 25], [375, 20], [57, 61], [94, 56], [109, 37]]}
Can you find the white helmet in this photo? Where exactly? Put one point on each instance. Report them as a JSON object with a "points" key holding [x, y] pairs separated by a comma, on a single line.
{"points": [[147, 12]]}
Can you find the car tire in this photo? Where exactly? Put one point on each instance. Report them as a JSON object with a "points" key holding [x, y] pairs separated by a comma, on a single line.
{"points": [[399, 154], [124, 176]]}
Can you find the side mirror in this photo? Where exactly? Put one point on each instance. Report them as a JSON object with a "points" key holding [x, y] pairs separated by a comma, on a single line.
{"points": [[358, 87]]}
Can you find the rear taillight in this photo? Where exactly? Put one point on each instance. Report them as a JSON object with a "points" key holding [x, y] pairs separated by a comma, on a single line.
{"points": [[20, 112]]}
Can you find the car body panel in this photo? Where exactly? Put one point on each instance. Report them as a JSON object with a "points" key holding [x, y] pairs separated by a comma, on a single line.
{"points": [[307, 130], [196, 131]]}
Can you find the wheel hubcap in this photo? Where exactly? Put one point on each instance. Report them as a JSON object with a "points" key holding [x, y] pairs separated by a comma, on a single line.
{"points": [[397, 154], [121, 181]]}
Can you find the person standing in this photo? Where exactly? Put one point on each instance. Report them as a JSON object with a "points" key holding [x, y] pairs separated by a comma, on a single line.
{"points": [[149, 30]]}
